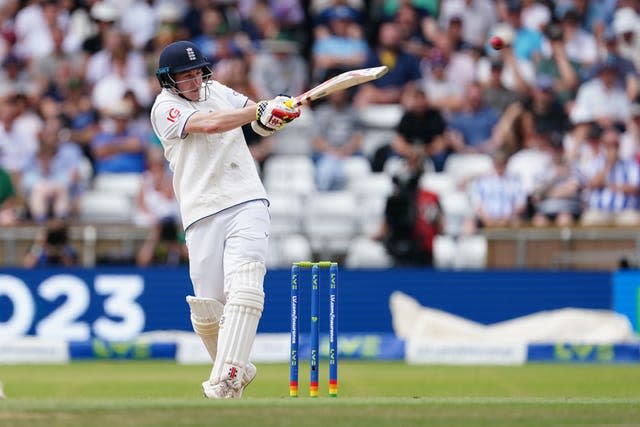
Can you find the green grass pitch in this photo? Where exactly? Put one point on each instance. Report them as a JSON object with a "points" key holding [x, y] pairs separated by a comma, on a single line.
{"points": [[394, 394]]}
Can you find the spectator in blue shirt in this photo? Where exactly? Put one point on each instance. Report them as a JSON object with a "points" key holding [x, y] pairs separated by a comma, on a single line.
{"points": [[403, 68], [527, 43], [342, 47], [120, 150], [473, 127]]}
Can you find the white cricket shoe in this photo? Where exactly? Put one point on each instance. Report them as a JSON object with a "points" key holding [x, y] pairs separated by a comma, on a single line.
{"points": [[226, 389], [2, 396]]}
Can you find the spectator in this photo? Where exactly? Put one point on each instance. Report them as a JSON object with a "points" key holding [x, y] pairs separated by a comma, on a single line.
{"points": [[477, 16], [343, 48], [627, 73], [627, 29], [517, 74], [495, 94], [612, 193], [557, 65], [104, 17], [601, 98], [33, 26], [498, 200], [545, 109], [155, 200], [410, 22], [54, 179], [530, 163], [412, 219], [213, 26], [556, 198], [580, 46], [595, 16], [388, 8], [51, 248], [158, 209], [461, 63], [535, 14], [120, 150], [116, 69], [403, 68], [337, 135], [472, 128], [527, 43], [443, 92], [16, 77], [419, 135], [582, 153], [46, 68], [45, 188], [18, 145], [81, 116], [630, 139], [10, 202], [165, 246], [322, 15], [140, 22], [278, 68]]}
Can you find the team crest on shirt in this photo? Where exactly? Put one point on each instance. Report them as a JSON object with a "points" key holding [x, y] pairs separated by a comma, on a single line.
{"points": [[173, 114]]}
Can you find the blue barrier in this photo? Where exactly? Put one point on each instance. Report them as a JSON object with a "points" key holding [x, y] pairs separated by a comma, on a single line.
{"points": [[117, 304], [362, 347], [105, 350], [584, 353]]}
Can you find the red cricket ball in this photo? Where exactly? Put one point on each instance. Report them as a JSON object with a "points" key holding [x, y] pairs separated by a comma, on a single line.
{"points": [[496, 42]]}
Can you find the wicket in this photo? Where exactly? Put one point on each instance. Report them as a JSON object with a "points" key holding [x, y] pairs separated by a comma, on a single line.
{"points": [[314, 335]]}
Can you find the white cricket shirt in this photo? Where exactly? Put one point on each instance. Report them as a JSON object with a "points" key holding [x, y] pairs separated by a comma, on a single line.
{"points": [[211, 172]]}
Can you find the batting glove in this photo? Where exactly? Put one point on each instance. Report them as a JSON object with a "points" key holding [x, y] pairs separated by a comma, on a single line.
{"points": [[261, 129], [276, 113]]}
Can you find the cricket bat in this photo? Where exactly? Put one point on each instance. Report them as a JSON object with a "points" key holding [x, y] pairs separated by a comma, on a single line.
{"points": [[340, 82]]}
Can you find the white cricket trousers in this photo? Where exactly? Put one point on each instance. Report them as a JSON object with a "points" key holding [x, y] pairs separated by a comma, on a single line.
{"points": [[220, 243]]}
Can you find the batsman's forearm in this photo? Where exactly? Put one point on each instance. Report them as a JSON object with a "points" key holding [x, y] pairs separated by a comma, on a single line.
{"points": [[220, 121]]}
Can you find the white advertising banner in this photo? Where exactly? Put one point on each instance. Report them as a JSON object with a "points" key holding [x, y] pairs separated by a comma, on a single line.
{"points": [[33, 350], [419, 351]]}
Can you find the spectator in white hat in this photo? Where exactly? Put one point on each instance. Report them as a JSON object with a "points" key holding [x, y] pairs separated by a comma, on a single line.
{"points": [[625, 25]]}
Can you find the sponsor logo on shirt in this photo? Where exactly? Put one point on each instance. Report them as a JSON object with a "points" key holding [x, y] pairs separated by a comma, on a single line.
{"points": [[173, 114]]}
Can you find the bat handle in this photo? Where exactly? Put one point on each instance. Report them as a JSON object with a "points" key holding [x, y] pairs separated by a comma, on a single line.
{"points": [[294, 102]]}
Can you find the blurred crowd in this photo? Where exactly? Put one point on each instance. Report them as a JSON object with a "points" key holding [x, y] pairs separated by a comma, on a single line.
{"points": [[557, 109]]}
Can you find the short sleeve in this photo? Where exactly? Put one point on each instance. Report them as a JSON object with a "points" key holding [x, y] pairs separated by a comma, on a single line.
{"points": [[170, 118]]}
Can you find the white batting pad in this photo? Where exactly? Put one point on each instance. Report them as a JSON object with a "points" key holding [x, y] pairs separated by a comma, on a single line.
{"points": [[205, 318], [239, 324]]}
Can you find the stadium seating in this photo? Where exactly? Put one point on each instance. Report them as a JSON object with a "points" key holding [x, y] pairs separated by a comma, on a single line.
{"points": [[293, 174], [466, 166], [366, 253], [463, 252], [456, 208], [96, 206], [330, 222]]}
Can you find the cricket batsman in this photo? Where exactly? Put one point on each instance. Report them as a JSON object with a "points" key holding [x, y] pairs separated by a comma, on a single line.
{"points": [[223, 205]]}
